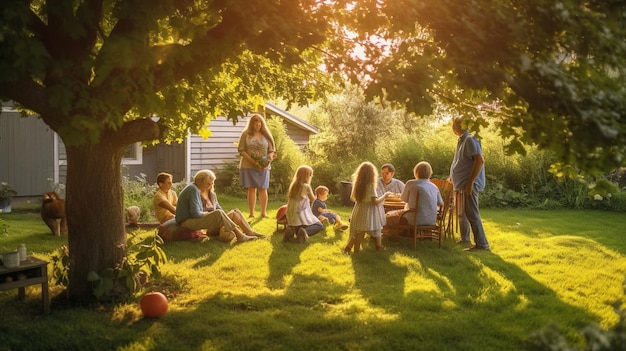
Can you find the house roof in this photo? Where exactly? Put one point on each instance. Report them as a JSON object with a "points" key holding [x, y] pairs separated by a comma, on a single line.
{"points": [[293, 119]]}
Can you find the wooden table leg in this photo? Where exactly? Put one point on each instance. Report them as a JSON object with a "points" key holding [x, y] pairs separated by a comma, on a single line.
{"points": [[45, 298]]}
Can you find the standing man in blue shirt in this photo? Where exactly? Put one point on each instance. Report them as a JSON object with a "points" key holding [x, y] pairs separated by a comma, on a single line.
{"points": [[468, 177]]}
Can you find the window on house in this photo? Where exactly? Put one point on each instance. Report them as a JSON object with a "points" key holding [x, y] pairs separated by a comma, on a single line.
{"points": [[133, 155]]}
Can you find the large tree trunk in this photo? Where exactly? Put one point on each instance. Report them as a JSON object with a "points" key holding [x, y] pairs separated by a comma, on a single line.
{"points": [[94, 206]]}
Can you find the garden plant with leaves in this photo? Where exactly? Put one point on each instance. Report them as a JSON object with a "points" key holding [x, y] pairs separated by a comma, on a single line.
{"points": [[145, 257]]}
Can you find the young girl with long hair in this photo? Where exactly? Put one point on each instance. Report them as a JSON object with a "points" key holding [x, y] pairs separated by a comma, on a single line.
{"points": [[300, 218], [368, 214]]}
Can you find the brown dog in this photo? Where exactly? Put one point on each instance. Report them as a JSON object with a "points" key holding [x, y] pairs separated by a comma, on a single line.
{"points": [[52, 209]]}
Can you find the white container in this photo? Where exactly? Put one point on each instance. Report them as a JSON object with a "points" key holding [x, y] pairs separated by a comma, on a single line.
{"points": [[21, 249], [11, 259]]}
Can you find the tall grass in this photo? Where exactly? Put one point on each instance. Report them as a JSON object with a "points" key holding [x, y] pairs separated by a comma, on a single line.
{"points": [[564, 267]]}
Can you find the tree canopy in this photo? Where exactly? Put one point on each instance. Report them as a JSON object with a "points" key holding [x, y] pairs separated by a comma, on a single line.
{"points": [[551, 73]]}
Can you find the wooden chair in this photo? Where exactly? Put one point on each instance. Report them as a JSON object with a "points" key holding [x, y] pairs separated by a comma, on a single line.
{"points": [[446, 216], [432, 232]]}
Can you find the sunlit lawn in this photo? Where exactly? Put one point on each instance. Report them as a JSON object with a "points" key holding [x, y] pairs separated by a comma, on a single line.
{"points": [[565, 267]]}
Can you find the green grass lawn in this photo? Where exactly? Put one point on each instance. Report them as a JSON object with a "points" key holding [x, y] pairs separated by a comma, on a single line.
{"points": [[562, 267]]}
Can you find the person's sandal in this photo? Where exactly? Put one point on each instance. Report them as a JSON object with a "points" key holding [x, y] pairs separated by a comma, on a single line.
{"points": [[381, 248]]}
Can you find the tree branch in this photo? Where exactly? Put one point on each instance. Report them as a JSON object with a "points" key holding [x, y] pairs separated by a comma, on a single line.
{"points": [[89, 15], [137, 130], [26, 93]]}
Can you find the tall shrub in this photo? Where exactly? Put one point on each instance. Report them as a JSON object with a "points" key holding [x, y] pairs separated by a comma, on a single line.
{"points": [[289, 158]]}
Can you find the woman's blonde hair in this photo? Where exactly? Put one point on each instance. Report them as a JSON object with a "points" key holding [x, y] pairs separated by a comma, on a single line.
{"points": [[302, 176], [264, 129], [366, 174]]}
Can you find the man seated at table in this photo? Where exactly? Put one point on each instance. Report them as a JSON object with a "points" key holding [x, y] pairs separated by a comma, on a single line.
{"points": [[387, 182], [429, 199]]}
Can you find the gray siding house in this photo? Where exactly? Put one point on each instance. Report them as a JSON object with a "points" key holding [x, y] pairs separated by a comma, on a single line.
{"points": [[33, 158]]}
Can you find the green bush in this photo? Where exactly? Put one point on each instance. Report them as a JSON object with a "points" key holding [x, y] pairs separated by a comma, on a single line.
{"points": [[331, 174], [289, 158], [618, 201], [408, 150], [404, 153], [227, 181], [144, 257], [496, 195], [137, 192]]}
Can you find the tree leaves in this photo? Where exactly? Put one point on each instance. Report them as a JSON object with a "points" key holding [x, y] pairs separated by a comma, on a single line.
{"points": [[553, 71]]}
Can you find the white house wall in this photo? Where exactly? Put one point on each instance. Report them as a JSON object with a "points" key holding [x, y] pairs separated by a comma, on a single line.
{"points": [[218, 149], [33, 156], [27, 156]]}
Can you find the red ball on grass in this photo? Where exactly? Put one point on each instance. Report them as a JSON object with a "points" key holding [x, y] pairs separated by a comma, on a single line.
{"points": [[153, 305]]}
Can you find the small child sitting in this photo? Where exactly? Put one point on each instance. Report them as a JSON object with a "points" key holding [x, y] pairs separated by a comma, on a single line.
{"points": [[325, 215]]}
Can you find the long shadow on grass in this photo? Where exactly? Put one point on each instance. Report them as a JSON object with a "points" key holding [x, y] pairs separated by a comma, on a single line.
{"points": [[429, 299], [603, 227], [449, 299], [210, 250], [285, 256]]}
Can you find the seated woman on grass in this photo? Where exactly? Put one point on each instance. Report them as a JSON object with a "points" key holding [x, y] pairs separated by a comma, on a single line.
{"points": [[190, 212]]}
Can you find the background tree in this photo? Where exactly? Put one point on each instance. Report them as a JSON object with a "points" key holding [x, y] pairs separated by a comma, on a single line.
{"points": [[551, 72], [352, 130]]}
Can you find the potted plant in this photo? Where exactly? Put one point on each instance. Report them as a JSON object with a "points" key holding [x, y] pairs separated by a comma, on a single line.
{"points": [[6, 194]]}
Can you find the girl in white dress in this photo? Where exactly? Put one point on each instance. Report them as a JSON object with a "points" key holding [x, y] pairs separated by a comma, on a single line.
{"points": [[368, 214], [300, 218]]}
